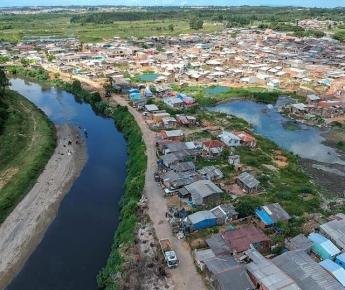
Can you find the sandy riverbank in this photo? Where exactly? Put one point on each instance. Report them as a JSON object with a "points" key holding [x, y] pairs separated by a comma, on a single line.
{"points": [[24, 228]]}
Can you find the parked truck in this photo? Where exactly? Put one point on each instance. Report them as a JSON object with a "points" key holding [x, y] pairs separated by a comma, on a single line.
{"points": [[168, 253]]}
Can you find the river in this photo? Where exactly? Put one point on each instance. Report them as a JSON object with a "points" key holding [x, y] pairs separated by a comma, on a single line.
{"points": [[77, 243]]}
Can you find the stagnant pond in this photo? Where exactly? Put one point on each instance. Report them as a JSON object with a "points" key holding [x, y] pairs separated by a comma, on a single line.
{"points": [[77, 243], [303, 140]]}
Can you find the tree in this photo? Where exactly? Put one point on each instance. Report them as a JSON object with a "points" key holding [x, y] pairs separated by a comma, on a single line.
{"points": [[25, 62], [171, 27], [108, 87], [4, 82], [196, 23]]}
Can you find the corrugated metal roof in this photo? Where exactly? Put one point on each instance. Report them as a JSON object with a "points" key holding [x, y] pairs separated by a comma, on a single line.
{"points": [[299, 242], [268, 273], [201, 216], [324, 243], [308, 274], [335, 229], [248, 179], [341, 257], [333, 268], [203, 188]]}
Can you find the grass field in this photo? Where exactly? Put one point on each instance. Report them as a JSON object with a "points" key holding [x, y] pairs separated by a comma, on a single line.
{"points": [[15, 27], [26, 144]]}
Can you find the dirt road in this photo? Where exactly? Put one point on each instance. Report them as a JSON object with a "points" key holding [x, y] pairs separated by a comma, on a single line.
{"points": [[23, 229], [185, 276]]}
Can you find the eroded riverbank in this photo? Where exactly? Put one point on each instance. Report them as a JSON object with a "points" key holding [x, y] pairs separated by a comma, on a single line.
{"points": [[24, 228]]}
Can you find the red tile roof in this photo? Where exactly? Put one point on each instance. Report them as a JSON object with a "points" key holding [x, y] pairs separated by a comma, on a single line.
{"points": [[213, 144], [244, 136]]}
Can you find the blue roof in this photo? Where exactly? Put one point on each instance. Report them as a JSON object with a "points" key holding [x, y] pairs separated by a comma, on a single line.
{"points": [[324, 243], [341, 257], [317, 238], [264, 216], [337, 271], [132, 90], [135, 96]]}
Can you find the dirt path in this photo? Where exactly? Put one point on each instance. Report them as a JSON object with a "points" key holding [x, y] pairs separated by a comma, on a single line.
{"points": [[185, 276], [24, 228]]}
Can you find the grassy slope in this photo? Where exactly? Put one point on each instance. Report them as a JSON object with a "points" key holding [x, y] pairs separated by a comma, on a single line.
{"points": [[26, 144]]}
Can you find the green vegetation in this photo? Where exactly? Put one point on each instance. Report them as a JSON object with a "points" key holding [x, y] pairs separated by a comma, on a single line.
{"points": [[59, 24], [340, 35], [26, 144], [95, 26], [297, 30], [38, 74], [4, 83], [287, 184], [196, 23], [258, 94]]}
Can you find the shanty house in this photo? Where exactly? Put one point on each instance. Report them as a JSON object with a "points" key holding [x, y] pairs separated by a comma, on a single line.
{"points": [[299, 242], [267, 276], [248, 182], [340, 260], [334, 269], [323, 247], [230, 139], [225, 213], [200, 220], [211, 172], [225, 273], [335, 230], [246, 139], [241, 239], [203, 191], [174, 135], [270, 214], [212, 148], [307, 273]]}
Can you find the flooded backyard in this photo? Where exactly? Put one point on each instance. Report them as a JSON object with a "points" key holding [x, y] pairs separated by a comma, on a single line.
{"points": [[324, 163]]}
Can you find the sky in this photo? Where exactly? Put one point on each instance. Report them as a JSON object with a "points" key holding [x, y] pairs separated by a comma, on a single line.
{"points": [[305, 3]]}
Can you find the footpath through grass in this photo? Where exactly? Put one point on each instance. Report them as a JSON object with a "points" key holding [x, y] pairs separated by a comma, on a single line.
{"points": [[26, 144]]}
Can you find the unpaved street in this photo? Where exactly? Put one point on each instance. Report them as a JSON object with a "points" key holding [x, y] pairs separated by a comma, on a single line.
{"points": [[23, 229], [185, 276]]}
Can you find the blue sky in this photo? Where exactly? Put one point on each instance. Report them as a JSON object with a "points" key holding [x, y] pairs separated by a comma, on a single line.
{"points": [[305, 3]]}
